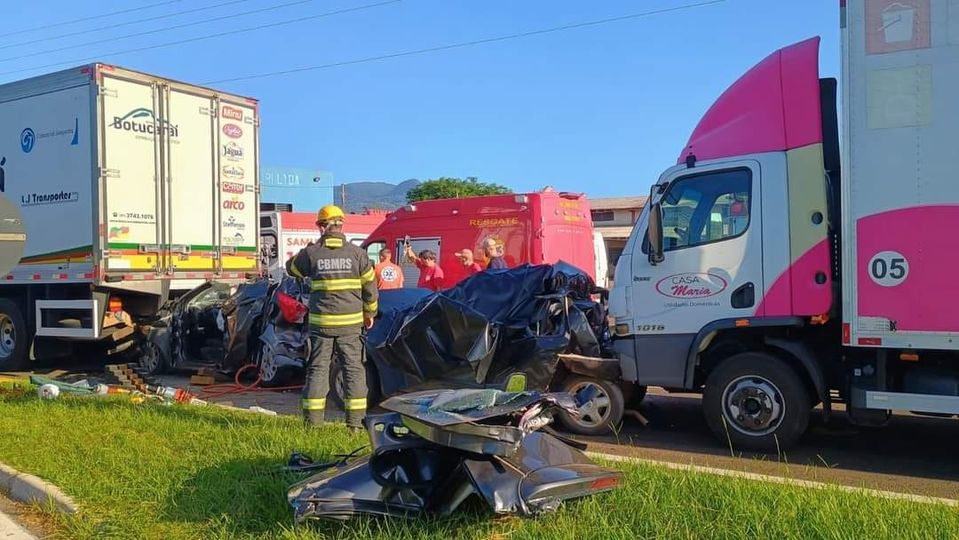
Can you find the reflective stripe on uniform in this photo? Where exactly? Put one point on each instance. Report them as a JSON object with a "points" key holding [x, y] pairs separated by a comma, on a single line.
{"points": [[368, 276], [295, 271], [357, 404], [333, 242], [371, 307], [313, 404], [329, 319], [345, 284]]}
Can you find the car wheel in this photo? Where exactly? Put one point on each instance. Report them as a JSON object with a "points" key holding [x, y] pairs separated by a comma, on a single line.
{"points": [[337, 385], [14, 337], [151, 359], [600, 415], [270, 372], [756, 401]]}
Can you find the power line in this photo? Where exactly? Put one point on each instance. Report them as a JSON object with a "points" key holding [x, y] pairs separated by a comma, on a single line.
{"points": [[74, 21], [466, 43], [126, 23], [201, 38], [158, 30]]}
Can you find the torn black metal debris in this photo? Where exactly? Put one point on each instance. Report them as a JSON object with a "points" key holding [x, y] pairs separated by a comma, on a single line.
{"points": [[437, 449]]}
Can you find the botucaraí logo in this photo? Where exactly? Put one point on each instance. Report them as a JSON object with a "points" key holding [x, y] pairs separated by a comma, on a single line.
{"points": [[142, 120]]}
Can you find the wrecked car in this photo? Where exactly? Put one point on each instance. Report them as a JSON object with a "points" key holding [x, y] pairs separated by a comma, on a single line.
{"points": [[227, 328], [434, 450], [185, 332], [531, 327]]}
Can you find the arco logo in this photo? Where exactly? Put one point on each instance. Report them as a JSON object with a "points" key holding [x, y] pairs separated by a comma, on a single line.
{"points": [[234, 204]]}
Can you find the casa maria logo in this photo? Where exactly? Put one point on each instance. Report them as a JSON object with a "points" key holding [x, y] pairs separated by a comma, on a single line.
{"points": [[142, 120]]}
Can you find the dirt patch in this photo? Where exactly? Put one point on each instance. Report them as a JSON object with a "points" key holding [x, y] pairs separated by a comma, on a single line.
{"points": [[14, 392], [30, 518]]}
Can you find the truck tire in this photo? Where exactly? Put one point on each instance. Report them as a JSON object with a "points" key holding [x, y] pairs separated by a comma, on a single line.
{"points": [[756, 401], [14, 337], [601, 415]]}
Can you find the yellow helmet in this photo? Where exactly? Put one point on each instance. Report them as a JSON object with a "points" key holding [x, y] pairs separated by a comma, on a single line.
{"points": [[329, 212]]}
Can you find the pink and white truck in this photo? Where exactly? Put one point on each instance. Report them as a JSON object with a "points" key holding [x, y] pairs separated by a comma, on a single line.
{"points": [[783, 263]]}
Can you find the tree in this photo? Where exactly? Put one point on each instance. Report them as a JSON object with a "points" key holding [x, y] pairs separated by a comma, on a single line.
{"points": [[451, 188]]}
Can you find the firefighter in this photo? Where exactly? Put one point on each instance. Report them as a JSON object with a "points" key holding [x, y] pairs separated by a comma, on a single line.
{"points": [[342, 302]]}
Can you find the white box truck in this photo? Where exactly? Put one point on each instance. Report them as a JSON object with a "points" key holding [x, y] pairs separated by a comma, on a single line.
{"points": [[130, 186], [773, 272]]}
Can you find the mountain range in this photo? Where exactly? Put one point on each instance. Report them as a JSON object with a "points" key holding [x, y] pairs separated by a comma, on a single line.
{"points": [[382, 195]]}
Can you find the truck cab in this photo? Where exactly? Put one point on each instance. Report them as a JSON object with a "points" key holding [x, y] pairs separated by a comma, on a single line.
{"points": [[731, 257], [772, 272]]}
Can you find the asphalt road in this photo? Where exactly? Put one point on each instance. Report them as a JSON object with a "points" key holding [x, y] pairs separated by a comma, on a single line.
{"points": [[912, 454]]}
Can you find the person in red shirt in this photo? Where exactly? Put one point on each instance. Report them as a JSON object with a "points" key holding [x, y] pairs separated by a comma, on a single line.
{"points": [[466, 257], [431, 275], [388, 274]]}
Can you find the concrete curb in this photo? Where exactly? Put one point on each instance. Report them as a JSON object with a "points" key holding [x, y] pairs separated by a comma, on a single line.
{"points": [[774, 479], [29, 489]]}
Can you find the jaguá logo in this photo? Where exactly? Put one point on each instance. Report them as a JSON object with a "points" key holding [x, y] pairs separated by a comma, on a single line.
{"points": [[233, 151], [142, 120], [233, 187], [232, 171], [232, 113], [233, 131], [695, 285]]}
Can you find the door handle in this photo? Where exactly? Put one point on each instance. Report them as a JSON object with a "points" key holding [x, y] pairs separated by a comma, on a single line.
{"points": [[744, 296]]}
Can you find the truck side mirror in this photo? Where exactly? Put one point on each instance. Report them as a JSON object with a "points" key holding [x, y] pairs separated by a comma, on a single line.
{"points": [[654, 234]]}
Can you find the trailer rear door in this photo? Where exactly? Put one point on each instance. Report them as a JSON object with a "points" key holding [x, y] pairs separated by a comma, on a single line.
{"points": [[130, 154], [190, 193], [238, 202], [180, 166]]}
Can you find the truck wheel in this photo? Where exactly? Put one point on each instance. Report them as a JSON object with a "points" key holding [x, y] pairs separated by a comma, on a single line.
{"points": [[598, 416], [756, 401], [14, 338]]}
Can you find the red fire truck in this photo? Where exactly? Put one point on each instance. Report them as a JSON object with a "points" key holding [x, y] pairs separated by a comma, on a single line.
{"points": [[535, 228]]}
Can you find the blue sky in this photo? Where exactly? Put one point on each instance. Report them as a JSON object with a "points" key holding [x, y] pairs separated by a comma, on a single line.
{"points": [[600, 109]]}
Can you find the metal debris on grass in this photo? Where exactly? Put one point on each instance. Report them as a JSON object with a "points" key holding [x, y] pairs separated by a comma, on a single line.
{"points": [[428, 459]]}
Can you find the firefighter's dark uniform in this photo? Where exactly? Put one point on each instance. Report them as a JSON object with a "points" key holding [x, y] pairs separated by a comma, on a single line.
{"points": [[343, 288]]}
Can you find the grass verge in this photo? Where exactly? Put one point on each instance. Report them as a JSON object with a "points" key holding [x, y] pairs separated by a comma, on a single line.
{"points": [[151, 471]]}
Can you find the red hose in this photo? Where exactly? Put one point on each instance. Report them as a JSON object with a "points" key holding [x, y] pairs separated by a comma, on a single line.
{"points": [[217, 390]]}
